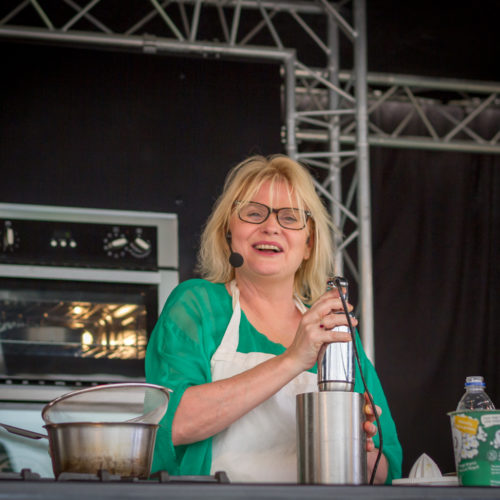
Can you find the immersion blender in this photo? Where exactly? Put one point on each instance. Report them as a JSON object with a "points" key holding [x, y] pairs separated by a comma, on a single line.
{"points": [[331, 441]]}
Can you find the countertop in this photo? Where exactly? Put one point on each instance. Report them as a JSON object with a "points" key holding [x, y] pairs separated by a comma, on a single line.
{"points": [[52, 490]]}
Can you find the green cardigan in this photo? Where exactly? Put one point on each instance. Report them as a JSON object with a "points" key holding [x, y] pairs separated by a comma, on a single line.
{"points": [[186, 336]]}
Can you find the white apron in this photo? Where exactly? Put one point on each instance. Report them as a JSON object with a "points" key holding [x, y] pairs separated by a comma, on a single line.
{"points": [[261, 445]]}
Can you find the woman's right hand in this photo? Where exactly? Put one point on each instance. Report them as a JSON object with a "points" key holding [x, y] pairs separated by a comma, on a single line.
{"points": [[315, 329], [218, 404]]}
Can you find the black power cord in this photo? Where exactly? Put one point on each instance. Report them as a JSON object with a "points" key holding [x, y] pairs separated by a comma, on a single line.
{"points": [[338, 284]]}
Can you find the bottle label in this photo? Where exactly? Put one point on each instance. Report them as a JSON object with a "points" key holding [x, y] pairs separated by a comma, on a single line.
{"points": [[491, 419], [476, 443], [466, 424]]}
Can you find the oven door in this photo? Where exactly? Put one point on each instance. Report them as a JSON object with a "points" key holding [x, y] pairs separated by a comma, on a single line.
{"points": [[76, 329]]}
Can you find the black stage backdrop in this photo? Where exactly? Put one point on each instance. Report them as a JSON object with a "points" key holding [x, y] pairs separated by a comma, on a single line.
{"points": [[436, 220], [124, 131], [142, 132]]}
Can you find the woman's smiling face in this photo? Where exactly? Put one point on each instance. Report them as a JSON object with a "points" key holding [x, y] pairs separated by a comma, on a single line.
{"points": [[268, 249]]}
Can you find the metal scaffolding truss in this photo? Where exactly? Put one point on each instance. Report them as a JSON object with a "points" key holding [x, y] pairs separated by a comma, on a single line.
{"points": [[434, 114], [330, 115], [264, 30], [459, 105]]}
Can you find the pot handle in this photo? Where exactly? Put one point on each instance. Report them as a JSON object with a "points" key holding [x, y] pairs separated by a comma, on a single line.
{"points": [[23, 432]]}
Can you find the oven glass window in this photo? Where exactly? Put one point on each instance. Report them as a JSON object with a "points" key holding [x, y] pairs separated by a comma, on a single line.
{"points": [[64, 330]]}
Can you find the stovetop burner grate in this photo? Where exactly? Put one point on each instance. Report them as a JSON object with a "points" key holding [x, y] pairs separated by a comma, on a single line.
{"points": [[24, 475], [105, 477]]}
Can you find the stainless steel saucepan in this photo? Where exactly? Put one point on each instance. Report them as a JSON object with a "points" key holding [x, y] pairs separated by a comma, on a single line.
{"points": [[122, 448]]}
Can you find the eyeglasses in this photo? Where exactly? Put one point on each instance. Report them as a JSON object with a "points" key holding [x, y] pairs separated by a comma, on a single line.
{"points": [[257, 213]]}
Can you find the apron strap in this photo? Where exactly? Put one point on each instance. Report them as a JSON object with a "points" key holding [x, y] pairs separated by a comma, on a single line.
{"points": [[299, 304], [231, 336], [235, 293]]}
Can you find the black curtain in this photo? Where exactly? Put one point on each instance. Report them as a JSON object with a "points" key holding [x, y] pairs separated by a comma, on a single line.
{"points": [[436, 220], [127, 131]]}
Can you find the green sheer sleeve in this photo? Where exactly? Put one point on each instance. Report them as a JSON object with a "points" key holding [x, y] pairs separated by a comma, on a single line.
{"points": [[178, 356]]}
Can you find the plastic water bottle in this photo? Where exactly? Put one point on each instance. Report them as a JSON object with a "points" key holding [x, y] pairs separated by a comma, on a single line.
{"points": [[475, 397]]}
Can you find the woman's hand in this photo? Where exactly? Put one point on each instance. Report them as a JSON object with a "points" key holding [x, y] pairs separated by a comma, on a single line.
{"points": [[372, 452], [315, 329], [370, 428]]}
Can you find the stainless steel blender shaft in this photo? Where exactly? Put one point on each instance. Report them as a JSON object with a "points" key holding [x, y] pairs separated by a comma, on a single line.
{"points": [[336, 360]]}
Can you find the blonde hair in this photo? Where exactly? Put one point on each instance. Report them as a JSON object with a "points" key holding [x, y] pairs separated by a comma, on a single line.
{"points": [[241, 183]]}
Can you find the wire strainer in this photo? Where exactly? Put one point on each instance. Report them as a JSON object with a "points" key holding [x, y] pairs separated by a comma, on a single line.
{"points": [[118, 403]]}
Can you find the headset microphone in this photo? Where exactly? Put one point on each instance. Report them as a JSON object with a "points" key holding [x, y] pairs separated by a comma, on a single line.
{"points": [[235, 259]]}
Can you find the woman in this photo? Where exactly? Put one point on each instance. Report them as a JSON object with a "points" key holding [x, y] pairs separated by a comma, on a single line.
{"points": [[237, 346]]}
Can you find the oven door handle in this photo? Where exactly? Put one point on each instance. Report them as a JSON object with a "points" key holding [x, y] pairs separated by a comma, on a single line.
{"points": [[23, 432]]}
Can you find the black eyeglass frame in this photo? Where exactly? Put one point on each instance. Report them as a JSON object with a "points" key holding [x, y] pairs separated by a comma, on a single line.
{"points": [[276, 211]]}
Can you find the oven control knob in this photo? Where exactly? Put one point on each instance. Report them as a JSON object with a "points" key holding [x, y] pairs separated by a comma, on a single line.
{"points": [[140, 247], [115, 244]]}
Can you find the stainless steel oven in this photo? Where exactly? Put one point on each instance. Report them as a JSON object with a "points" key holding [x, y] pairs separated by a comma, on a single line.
{"points": [[80, 291]]}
